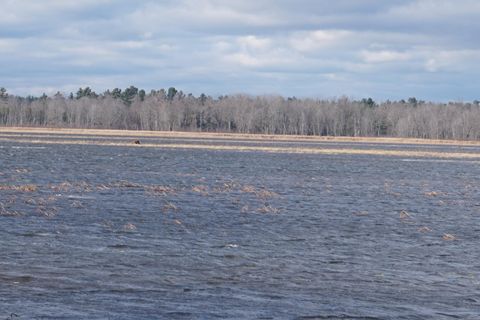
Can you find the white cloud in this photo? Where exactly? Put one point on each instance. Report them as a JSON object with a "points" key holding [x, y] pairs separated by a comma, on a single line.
{"points": [[254, 43], [384, 56], [319, 39], [8, 45], [452, 60], [436, 10]]}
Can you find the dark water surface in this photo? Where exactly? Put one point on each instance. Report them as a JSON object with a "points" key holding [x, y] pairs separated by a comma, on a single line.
{"points": [[95, 232]]}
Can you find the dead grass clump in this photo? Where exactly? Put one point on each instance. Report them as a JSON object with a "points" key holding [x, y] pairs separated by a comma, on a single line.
{"points": [[83, 187], [180, 224], [11, 199], [125, 184], [160, 190], [41, 202], [248, 189], [76, 204], [21, 188], [4, 211], [424, 229], [52, 198], [268, 209], [265, 194], [61, 187], [449, 237], [226, 187], [129, 227], [260, 193], [30, 201], [404, 215], [47, 212], [200, 189], [102, 187], [169, 207], [108, 225], [27, 188]]}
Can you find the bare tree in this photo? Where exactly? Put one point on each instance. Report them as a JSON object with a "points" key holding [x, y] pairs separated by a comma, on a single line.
{"points": [[173, 110]]}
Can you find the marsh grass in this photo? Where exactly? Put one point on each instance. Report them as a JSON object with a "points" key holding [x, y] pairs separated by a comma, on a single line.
{"points": [[169, 207], [76, 204], [433, 194], [424, 229], [268, 209], [202, 189], [6, 211], [404, 215], [159, 190], [202, 137], [265, 194], [129, 227], [226, 136], [48, 212], [226, 187], [19, 188], [449, 237], [266, 149], [248, 189]]}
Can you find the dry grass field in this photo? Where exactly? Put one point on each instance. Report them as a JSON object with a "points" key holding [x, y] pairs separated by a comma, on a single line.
{"points": [[244, 142], [207, 135]]}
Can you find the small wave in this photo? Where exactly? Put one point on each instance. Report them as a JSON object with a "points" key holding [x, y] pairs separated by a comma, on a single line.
{"points": [[118, 246], [73, 196], [16, 278], [24, 147], [36, 234], [440, 160]]}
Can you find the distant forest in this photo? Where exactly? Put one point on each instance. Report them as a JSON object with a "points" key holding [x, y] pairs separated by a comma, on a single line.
{"points": [[173, 110]]}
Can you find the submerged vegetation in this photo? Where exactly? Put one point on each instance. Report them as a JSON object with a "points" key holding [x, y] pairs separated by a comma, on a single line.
{"points": [[173, 110], [46, 200]]}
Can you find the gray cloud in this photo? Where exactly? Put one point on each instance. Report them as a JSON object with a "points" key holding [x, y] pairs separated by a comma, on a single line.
{"points": [[383, 49]]}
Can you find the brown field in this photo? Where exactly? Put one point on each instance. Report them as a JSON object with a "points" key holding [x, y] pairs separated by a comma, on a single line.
{"points": [[124, 138], [179, 134]]}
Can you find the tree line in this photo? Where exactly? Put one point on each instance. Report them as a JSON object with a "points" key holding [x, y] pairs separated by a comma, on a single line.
{"points": [[172, 110]]}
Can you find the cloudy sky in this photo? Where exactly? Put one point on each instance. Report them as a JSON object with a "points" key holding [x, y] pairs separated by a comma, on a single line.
{"points": [[391, 49]]}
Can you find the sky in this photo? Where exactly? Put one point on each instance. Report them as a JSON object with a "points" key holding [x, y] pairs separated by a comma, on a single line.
{"points": [[428, 49]]}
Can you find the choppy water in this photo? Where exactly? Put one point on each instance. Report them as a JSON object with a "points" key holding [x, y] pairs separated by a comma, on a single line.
{"points": [[144, 233]]}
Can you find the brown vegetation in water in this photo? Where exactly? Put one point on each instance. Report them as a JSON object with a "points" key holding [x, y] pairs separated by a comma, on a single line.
{"points": [[268, 209], [169, 207], [200, 189], [449, 237], [244, 146], [404, 215], [21, 188], [424, 229], [5, 211]]}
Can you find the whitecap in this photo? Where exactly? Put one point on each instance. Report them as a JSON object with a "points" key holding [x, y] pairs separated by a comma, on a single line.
{"points": [[73, 196], [27, 147]]}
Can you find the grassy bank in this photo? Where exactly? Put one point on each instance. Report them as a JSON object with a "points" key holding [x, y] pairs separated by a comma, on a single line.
{"points": [[235, 136], [417, 148]]}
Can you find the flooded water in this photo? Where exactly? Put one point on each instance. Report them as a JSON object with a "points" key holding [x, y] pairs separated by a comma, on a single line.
{"points": [[124, 232]]}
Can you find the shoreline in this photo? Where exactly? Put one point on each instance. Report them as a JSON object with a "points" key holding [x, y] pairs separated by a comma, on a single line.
{"points": [[228, 136]]}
